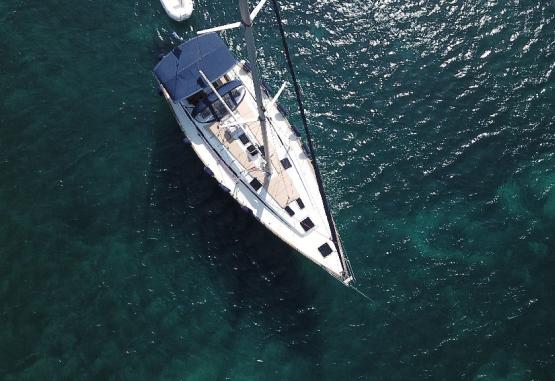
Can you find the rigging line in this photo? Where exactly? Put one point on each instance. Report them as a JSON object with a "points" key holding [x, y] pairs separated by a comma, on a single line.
{"points": [[280, 172], [386, 309], [288, 147], [305, 124], [363, 294], [272, 133], [276, 133]]}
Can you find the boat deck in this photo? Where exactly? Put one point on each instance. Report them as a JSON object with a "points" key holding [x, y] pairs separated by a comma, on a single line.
{"points": [[289, 202], [279, 184]]}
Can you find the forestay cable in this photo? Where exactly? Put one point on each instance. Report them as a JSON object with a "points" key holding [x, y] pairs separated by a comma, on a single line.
{"points": [[335, 237], [305, 125]]}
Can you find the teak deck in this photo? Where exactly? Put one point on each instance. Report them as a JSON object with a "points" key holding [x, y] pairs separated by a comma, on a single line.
{"points": [[279, 184]]}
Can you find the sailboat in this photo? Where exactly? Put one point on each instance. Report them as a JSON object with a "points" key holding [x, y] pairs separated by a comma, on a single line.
{"points": [[241, 134], [178, 10]]}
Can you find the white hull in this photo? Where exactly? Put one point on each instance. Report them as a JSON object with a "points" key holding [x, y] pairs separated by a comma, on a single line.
{"points": [[265, 206], [178, 10]]}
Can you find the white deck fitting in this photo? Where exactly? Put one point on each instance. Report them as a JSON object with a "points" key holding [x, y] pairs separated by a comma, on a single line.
{"points": [[178, 10], [226, 158]]}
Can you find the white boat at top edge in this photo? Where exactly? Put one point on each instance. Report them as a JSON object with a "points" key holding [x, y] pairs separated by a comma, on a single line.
{"points": [[256, 157], [178, 10]]}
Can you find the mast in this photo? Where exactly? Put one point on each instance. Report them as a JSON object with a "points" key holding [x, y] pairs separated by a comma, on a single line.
{"points": [[246, 20]]}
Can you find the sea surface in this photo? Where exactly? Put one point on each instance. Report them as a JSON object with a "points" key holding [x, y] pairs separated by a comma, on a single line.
{"points": [[434, 123]]}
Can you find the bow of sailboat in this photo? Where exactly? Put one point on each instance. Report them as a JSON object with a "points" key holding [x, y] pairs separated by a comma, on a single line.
{"points": [[243, 137]]}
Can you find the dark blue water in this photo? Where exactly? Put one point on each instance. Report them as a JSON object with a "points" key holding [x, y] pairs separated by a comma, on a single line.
{"points": [[435, 130]]}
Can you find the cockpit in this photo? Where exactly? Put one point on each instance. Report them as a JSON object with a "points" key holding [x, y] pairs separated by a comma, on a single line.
{"points": [[209, 108]]}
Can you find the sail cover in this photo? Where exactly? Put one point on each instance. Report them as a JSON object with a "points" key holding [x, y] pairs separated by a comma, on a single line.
{"points": [[179, 70]]}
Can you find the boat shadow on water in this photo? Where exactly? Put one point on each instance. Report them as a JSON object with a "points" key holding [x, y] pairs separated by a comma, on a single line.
{"points": [[259, 276]]}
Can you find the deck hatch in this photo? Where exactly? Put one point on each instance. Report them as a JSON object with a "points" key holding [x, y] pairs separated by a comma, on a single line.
{"points": [[307, 224], [289, 211], [325, 250], [256, 184], [285, 163], [243, 138], [300, 203]]}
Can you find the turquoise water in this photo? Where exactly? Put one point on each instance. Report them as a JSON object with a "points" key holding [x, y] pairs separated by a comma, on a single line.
{"points": [[435, 128]]}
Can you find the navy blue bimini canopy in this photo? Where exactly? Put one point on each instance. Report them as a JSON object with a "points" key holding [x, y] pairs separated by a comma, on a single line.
{"points": [[178, 71]]}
